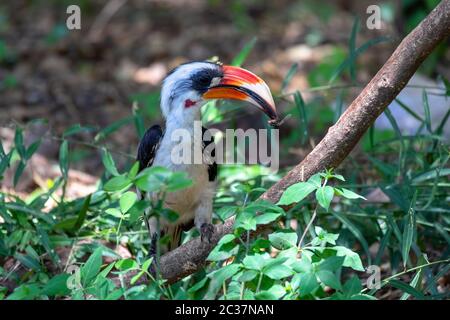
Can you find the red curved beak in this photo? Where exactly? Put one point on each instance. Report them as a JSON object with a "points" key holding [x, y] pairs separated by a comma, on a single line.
{"points": [[241, 84]]}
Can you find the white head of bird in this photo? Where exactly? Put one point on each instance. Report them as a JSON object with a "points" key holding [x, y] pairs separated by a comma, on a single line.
{"points": [[189, 86]]}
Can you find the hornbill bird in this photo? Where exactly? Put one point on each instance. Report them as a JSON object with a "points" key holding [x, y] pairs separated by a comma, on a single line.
{"points": [[184, 91]]}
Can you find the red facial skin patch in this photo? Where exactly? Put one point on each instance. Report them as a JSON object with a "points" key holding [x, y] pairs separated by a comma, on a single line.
{"points": [[189, 103]]}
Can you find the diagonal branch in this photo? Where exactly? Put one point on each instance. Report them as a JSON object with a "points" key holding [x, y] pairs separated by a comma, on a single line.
{"points": [[341, 137]]}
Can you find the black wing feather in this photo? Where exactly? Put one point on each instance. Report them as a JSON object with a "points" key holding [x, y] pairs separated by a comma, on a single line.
{"points": [[148, 146], [212, 168]]}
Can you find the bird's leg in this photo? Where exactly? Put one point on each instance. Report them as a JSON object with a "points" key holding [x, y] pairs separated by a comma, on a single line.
{"points": [[154, 239], [203, 217]]}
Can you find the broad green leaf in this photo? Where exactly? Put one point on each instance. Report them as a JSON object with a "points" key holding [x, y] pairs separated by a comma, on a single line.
{"points": [[278, 271], [267, 217], [254, 262], [248, 275], [307, 283], [296, 193], [329, 279], [127, 200], [352, 286], [117, 183], [126, 264], [246, 221], [283, 240], [324, 195], [331, 263], [274, 293], [114, 212], [57, 286]]}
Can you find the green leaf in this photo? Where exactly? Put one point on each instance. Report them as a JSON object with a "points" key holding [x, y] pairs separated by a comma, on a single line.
{"points": [[82, 214], [426, 108], [246, 221], [346, 193], [255, 262], [352, 286], [355, 231], [134, 170], [127, 200], [48, 246], [219, 277], [352, 259], [18, 143], [28, 261], [267, 217], [324, 195], [112, 128], [316, 180], [278, 271], [223, 251], [408, 230], [117, 183], [5, 162], [289, 75], [114, 212], [32, 149], [64, 158], [283, 240], [126, 265], [91, 268], [331, 264], [296, 193], [57, 286], [169, 215], [242, 55], [274, 293], [109, 163], [76, 128], [18, 173], [407, 288], [301, 106], [153, 179], [178, 181], [328, 278], [248, 275], [307, 283]]}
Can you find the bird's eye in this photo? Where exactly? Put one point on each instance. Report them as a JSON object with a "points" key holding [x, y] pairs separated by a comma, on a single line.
{"points": [[204, 80]]}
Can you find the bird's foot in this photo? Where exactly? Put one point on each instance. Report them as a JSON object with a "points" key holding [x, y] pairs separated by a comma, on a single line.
{"points": [[206, 232]]}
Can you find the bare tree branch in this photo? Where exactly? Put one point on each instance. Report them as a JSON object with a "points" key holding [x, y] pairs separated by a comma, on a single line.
{"points": [[341, 137]]}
